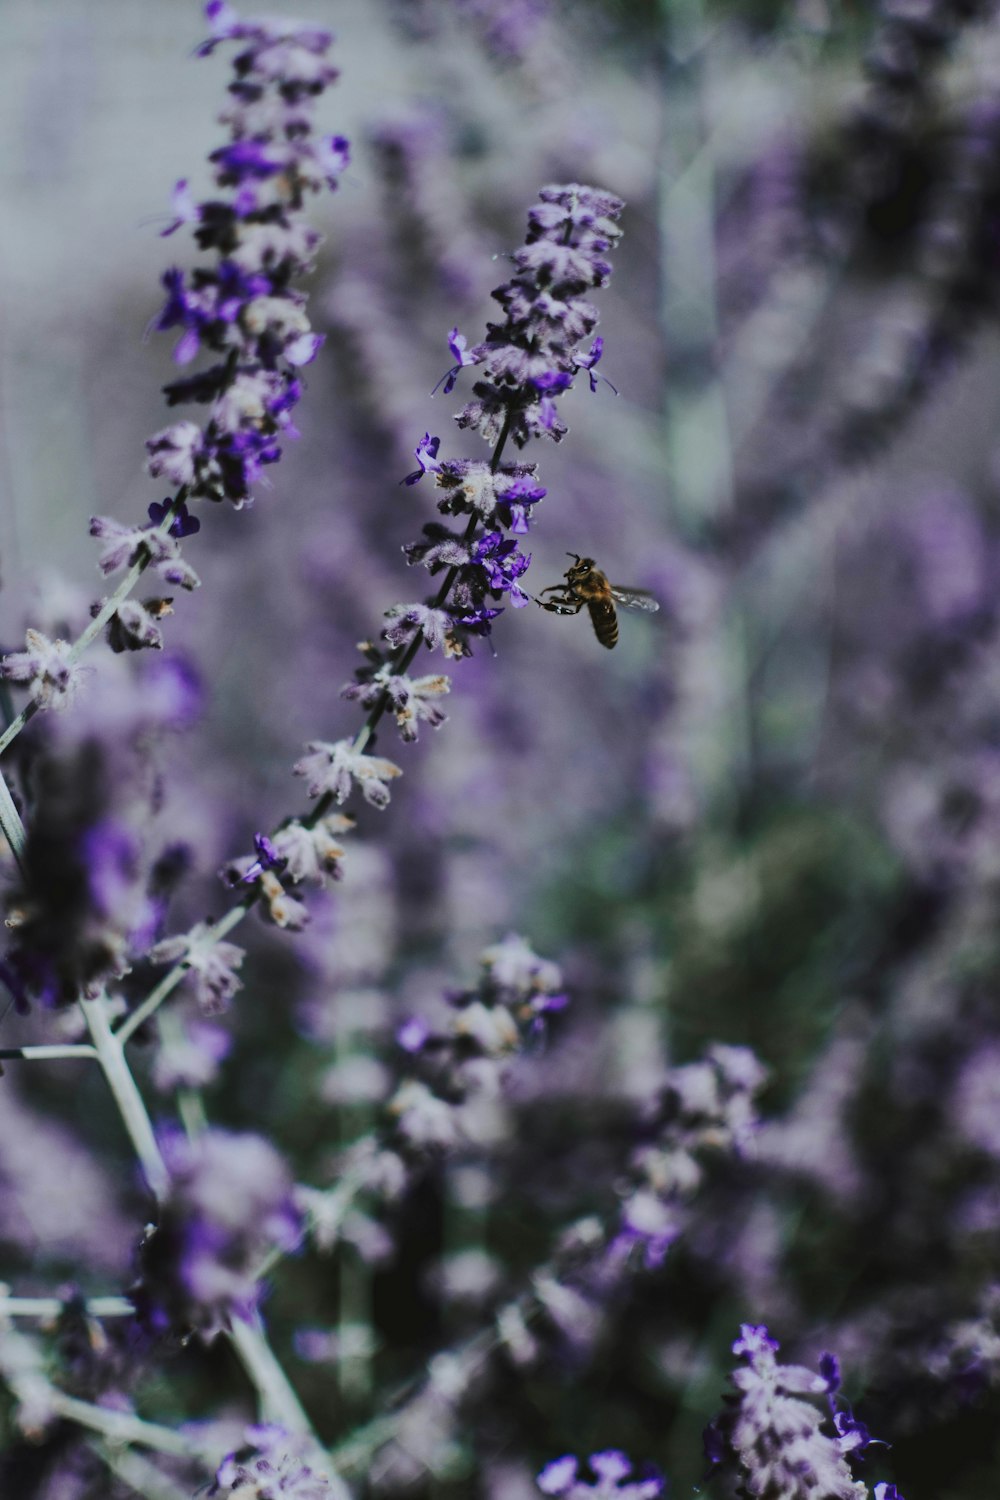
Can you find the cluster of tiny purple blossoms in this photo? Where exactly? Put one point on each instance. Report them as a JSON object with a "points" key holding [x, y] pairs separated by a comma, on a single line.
{"points": [[525, 362], [242, 308], [776, 1442]]}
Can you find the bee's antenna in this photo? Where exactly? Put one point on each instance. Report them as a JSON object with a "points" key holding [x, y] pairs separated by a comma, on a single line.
{"points": [[573, 555]]}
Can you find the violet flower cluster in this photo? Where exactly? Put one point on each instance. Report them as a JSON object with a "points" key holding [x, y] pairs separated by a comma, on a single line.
{"points": [[779, 1443], [613, 1479], [270, 1467], [243, 307]]}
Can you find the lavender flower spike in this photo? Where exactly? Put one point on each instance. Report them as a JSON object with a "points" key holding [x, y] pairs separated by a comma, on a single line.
{"points": [[531, 357], [772, 1437], [242, 308]]}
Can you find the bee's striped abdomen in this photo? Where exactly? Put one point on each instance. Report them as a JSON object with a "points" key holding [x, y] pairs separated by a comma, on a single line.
{"points": [[605, 620]]}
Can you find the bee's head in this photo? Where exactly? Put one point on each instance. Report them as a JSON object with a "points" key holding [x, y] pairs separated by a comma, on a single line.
{"points": [[581, 566]]}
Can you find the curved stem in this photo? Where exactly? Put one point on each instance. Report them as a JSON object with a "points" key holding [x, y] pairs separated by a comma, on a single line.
{"points": [[127, 1097], [279, 1403], [121, 1427]]}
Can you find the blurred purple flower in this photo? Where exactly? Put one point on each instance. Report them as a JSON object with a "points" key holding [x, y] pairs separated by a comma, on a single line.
{"points": [[614, 1478], [230, 1201]]}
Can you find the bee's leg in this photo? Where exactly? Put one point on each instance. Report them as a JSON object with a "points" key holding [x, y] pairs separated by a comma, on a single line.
{"points": [[565, 605]]}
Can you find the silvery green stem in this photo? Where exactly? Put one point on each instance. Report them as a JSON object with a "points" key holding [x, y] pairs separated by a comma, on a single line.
{"points": [[46, 1052], [97, 624], [10, 822], [127, 1096], [121, 1427], [51, 1307], [279, 1403]]}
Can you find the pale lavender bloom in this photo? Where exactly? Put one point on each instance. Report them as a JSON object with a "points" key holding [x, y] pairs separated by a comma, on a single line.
{"points": [[335, 769], [775, 1438], [411, 700], [212, 966], [52, 679], [125, 545], [190, 1057], [408, 620], [134, 625]]}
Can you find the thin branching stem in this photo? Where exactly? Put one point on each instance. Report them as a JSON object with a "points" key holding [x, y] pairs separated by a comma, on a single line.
{"points": [[97, 624]]}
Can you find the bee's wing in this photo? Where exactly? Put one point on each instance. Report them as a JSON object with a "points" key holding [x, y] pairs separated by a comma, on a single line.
{"points": [[634, 598]]}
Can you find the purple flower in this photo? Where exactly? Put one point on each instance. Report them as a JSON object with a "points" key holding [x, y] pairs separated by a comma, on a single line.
{"points": [[183, 523], [211, 965], [774, 1438], [531, 357], [462, 358], [270, 1467], [588, 361], [82, 903], [614, 1478], [513, 504], [230, 1202], [503, 565], [425, 453]]}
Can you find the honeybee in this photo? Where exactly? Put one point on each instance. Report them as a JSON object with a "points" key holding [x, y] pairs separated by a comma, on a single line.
{"points": [[586, 586]]}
